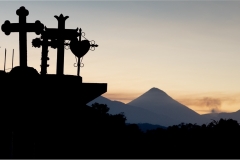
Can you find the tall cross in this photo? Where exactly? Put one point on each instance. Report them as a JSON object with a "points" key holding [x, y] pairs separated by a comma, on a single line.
{"points": [[22, 27], [60, 34]]}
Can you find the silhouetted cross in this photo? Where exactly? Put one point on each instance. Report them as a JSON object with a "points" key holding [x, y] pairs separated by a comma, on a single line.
{"points": [[60, 34], [37, 42], [22, 27]]}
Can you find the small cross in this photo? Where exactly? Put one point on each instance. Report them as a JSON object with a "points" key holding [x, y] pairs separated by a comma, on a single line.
{"points": [[37, 42]]}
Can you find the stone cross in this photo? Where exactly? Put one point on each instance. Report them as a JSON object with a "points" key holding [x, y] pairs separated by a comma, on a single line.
{"points": [[22, 27]]}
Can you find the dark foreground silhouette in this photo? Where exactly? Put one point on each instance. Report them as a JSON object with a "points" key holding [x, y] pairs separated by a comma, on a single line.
{"points": [[93, 133], [45, 116]]}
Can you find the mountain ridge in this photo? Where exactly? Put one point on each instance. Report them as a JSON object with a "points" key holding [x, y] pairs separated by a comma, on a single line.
{"points": [[134, 114], [147, 111]]}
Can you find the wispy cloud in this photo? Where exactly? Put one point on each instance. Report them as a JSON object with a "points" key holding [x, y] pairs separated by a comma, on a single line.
{"points": [[213, 103]]}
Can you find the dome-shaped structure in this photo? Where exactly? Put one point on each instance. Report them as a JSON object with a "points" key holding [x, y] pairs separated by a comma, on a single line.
{"points": [[23, 71]]}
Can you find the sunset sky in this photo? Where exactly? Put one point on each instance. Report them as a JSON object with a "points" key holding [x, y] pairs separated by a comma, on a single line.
{"points": [[188, 49]]}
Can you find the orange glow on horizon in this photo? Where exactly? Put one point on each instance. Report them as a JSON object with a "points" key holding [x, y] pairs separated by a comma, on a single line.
{"points": [[122, 97], [201, 103]]}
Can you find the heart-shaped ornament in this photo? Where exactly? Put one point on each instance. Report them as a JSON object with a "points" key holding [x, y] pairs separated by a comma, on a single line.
{"points": [[79, 49]]}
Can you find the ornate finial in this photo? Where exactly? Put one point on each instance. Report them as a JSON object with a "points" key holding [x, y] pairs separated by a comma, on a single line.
{"points": [[22, 11], [61, 17], [39, 27]]}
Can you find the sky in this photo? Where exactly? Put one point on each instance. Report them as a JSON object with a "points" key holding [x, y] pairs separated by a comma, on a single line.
{"points": [[188, 49]]}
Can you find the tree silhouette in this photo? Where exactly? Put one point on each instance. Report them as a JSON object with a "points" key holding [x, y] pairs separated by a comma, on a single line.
{"points": [[94, 133], [101, 108]]}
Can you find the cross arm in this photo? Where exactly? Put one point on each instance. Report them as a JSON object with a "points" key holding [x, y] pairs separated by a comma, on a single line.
{"points": [[5, 27], [37, 42], [36, 27], [93, 45], [68, 34]]}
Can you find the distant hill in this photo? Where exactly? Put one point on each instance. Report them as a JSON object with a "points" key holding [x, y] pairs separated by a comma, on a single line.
{"points": [[134, 114], [159, 102], [157, 108], [217, 116]]}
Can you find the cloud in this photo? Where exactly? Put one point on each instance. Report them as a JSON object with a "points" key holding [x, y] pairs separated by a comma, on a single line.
{"points": [[212, 103]]}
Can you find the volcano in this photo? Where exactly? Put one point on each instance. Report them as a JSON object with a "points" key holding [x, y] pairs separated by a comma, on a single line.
{"points": [[134, 114], [157, 101]]}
